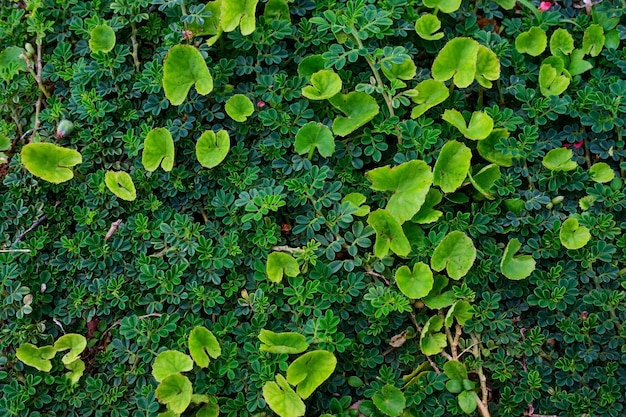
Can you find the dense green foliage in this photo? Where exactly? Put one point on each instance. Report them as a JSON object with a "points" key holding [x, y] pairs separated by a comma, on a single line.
{"points": [[405, 207]]}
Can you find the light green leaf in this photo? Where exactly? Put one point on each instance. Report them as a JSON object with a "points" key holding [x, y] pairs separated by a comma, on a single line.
{"points": [[404, 71], [426, 213], [452, 166], [457, 59], [467, 401], [315, 135], [175, 391], [310, 65], [533, 42], [461, 311], [202, 344], [455, 370], [485, 179], [572, 235], [211, 148], [359, 108], [427, 25], [158, 149], [480, 125], [324, 85], [310, 370], [561, 43], [551, 80], [577, 64], [50, 162], [389, 234], [282, 399], [76, 343], [559, 159], [487, 66], [601, 172], [184, 67], [279, 263], [12, 62], [487, 148], [239, 13], [454, 386], [516, 267], [211, 409], [389, 400], [409, 183], [36, 357], [593, 40], [76, 370], [456, 253], [102, 39], [288, 342], [426, 95], [277, 10], [416, 283], [120, 184], [612, 39], [211, 24], [437, 299], [431, 342], [446, 6], [357, 200], [239, 107], [506, 4], [170, 362]]}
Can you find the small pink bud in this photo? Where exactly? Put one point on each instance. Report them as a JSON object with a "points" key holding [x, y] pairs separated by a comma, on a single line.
{"points": [[260, 103], [64, 128], [578, 144], [545, 6]]}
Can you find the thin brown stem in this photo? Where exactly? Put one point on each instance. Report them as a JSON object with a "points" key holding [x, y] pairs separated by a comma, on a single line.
{"points": [[287, 249], [482, 407], [133, 38], [37, 121]]}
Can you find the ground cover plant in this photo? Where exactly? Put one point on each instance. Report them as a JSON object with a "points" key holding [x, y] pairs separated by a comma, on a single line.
{"points": [[321, 208]]}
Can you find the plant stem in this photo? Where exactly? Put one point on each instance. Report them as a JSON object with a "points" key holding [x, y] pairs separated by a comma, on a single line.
{"points": [[133, 38], [482, 407]]}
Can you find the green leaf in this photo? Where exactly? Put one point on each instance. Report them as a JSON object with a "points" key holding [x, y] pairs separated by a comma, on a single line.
{"points": [[102, 39], [288, 342], [315, 135], [170, 362], [158, 149], [577, 64], [467, 401], [277, 10], [487, 66], [572, 235], [359, 108], [324, 85], [533, 42], [184, 67], [212, 148], [310, 65], [487, 148], [175, 391], [50, 162], [120, 184], [485, 179], [593, 40], [211, 409], [551, 82], [561, 43], [431, 342], [461, 311], [506, 4], [239, 107], [437, 299], [357, 200], [457, 59], [446, 6], [454, 386], [239, 13], [202, 344], [601, 172], [516, 267], [389, 400], [480, 125], [76, 370], [211, 24], [426, 95], [279, 263], [611, 39], [310, 370], [451, 166], [12, 62], [409, 183], [456, 253], [426, 213], [427, 25], [559, 159], [389, 234], [455, 370], [282, 399], [416, 283], [403, 71], [36, 357], [76, 343]]}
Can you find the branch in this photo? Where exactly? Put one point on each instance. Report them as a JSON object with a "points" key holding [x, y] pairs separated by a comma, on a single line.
{"points": [[482, 407], [112, 229], [37, 223], [287, 249]]}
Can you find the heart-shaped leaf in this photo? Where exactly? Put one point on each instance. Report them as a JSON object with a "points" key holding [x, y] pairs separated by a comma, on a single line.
{"points": [[577, 64], [487, 148], [324, 85], [175, 391], [315, 135], [427, 214], [427, 25], [601, 172], [561, 43], [212, 148], [279, 263], [288, 342], [120, 184], [480, 125], [158, 149], [211, 409], [310, 65], [203, 344], [12, 62], [572, 235], [426, 95], [593, 40], [432, 342], [437, 298], [282, 399], [170, 362], [559, 159], [456, 253], [36, 357], [239, 107], [446, 6], [487, 66], [102, 39], [461, 311], [457, 59], [485, 179], [359, 108], [211, 24], [403, 71], [516, 267], [533, 42], [551, 80], [310, 370], [451, 166], [416, 283], [76, 370], [184, 67], [389, 400], [239, 13], [357, 200], [468, 401], [389, 234], [50, 162], [76, 343]]}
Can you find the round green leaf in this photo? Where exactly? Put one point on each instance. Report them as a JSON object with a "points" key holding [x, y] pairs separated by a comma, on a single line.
{"points": [[516, 267], [279, 263], [102, 39], [288, 342], [76, 370], [487, 66], [427, 25], [324, 85], [426, 95], [315, 135], [12, 62], [431, 342], [170, 362], [36, 357], [120, 184], [485, 179], [461, 311], [239, 107], [487, 148], [310, 65], [416, 283], [533, 42], [452, 166], [456, 253], [446, 6], [211, 148], [203, 344], [427, 214], [559, 159], [389, 234], [239, 13], [357, 200], [404, 71], [611, 39], [601, 172], [211, 24], [467, 401], [211, 409], [184, 67], [572, 235], [359, 108], [158, 149], [455, 370], [561, 42], [175, 391], [389, 400], [454, 386], [282, 399], [480, 125], [310, 370], [457, 59], [50, 162], [551, 80], [76, 343]]}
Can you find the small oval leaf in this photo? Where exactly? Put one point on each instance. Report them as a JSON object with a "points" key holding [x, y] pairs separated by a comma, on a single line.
{"points": [[120, 184], [102, 39], [456, 253], [452, 166], [158, 149], [288, 342], [279, 263], [239, 107], [572, 235], [212, 148]]}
